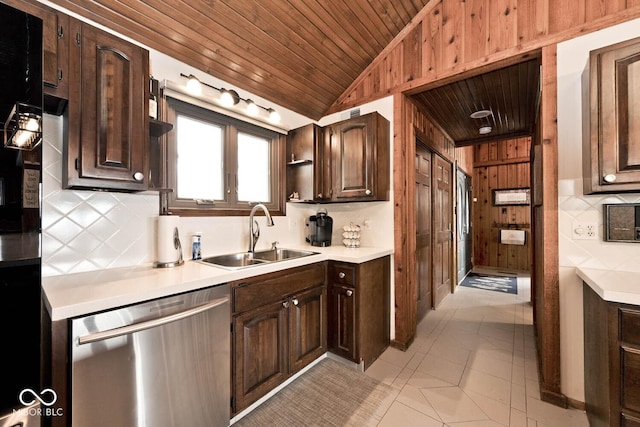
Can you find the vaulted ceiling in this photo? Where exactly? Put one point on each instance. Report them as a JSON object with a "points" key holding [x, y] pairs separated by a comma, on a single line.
{"points": [[300, 54]]}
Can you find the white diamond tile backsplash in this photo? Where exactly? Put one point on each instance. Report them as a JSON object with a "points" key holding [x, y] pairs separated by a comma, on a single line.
{"points": [[90, 230]]}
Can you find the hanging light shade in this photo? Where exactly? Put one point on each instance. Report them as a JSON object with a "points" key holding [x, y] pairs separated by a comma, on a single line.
{"points": [[252, 108], [193, 85], [274, 116], [23, 127], [229, 98]]}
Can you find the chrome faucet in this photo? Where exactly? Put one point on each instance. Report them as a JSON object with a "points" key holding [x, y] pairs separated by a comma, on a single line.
{"points": [[254, 229]]}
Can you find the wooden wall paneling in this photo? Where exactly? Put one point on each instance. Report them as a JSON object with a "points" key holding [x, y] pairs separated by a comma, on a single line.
{"points": [[537, 23], [547, 291], [564, 14], [595, 9], [393, 67], [502, 26], [476, 27], [412, 55], [432, 41], [452, 33], [531, 19], [481, 226], [404, 222], [464, 158], [500, 164]]}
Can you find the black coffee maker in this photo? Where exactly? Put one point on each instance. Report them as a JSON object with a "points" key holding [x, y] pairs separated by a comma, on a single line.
{"points": [[319, 229]]}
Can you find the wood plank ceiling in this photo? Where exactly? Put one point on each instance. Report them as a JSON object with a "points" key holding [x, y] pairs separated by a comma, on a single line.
{"points": [[300, 54], [510, 94]]}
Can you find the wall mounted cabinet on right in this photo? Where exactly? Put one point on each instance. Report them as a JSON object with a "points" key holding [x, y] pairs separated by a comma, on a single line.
{"points": [[611, 153]]}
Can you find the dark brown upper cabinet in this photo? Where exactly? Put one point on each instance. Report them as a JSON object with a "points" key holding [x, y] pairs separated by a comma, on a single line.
{"points": [[611, 154], [107, 116], [360, 158], [55, 52], [308, 164], [347, 161]]}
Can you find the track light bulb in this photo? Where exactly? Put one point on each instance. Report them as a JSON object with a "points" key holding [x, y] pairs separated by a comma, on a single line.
{"points": [[229, 98], [252, 108], [193, 85], [274, 116]]}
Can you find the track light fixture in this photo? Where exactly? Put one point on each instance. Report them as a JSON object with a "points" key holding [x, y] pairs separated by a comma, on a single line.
{"points": [[230, 98]]}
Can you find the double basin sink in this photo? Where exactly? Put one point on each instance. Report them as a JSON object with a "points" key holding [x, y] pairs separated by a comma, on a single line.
{"points": [[250, 259]]}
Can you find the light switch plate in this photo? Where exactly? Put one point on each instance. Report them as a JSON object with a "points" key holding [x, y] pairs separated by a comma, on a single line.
{"points": [[584, 230]]}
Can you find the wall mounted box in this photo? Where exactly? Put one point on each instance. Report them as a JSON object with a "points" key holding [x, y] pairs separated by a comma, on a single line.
{"points": [[622, 222]]}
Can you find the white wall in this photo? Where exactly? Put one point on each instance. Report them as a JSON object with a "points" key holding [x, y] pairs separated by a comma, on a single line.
{"points": [[90, 230], [573, 205]]}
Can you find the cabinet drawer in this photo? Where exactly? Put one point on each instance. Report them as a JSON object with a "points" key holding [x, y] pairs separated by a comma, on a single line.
{"points": [[630, 378], [256, 291], [342, 273], [630, 326]]}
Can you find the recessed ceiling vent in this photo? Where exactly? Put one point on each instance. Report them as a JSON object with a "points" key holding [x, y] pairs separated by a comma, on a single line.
{"points": [[480, 114]]}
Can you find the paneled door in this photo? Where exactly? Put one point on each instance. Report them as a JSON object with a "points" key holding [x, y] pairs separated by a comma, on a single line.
{"points": [[442, 231], [463, 217], [423, 230]]}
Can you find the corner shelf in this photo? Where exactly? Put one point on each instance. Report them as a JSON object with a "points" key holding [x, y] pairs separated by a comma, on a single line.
{"points": [[158, 128], [299, 162]]}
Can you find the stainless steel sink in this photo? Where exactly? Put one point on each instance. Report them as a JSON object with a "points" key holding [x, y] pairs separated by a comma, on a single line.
{"points": [[248, 259], [232, 261], [281, 254]]}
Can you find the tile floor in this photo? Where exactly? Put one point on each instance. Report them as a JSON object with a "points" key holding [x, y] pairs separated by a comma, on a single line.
{"points": [[473, 363]]}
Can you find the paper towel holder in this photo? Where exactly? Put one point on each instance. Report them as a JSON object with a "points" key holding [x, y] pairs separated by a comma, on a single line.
{"points": [[178, 246]]}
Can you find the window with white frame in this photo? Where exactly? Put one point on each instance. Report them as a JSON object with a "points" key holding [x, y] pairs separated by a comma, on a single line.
{"points": [[218, 165]]}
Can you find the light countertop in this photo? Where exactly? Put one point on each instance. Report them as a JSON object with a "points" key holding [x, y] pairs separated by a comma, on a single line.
{"points": [[78, 294], [613, 286]]}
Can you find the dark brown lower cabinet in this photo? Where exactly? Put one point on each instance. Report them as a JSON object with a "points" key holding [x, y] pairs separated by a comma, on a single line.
{"points": [[279, 327], [611, 361], [359, 298]]}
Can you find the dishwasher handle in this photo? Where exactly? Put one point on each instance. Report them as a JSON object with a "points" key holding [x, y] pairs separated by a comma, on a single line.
{"points": [[137, 327]]}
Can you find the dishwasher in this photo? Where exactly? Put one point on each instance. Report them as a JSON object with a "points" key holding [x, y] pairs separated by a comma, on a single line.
{"points": [[160, 363]]}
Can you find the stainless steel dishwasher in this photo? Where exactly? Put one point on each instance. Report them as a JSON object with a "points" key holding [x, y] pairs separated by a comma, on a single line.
{"points": [[160, 363]]}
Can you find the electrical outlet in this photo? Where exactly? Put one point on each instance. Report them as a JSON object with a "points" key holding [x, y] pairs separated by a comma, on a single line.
{"points": [[584, 230]]}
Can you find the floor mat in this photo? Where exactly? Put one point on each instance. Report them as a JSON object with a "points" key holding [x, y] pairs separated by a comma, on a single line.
{"points": [[329, 394], [504, 284]]}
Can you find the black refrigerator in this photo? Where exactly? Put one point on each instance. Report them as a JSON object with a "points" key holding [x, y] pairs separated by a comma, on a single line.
{"points": [[20, 213]]}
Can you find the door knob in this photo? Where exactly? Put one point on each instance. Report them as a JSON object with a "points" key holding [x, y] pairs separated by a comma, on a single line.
{"points": [[285, 304], [349, 292], [609, 178], [138, 176], [367, 192], [295, 301], [341, 275]]}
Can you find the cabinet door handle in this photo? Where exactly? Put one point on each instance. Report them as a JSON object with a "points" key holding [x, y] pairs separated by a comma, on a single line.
{"points": [[138, 176], [341, 275], [367, 192], [609, 178], [295, 301], [285, 304], [319, 195], [349, 292]]}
